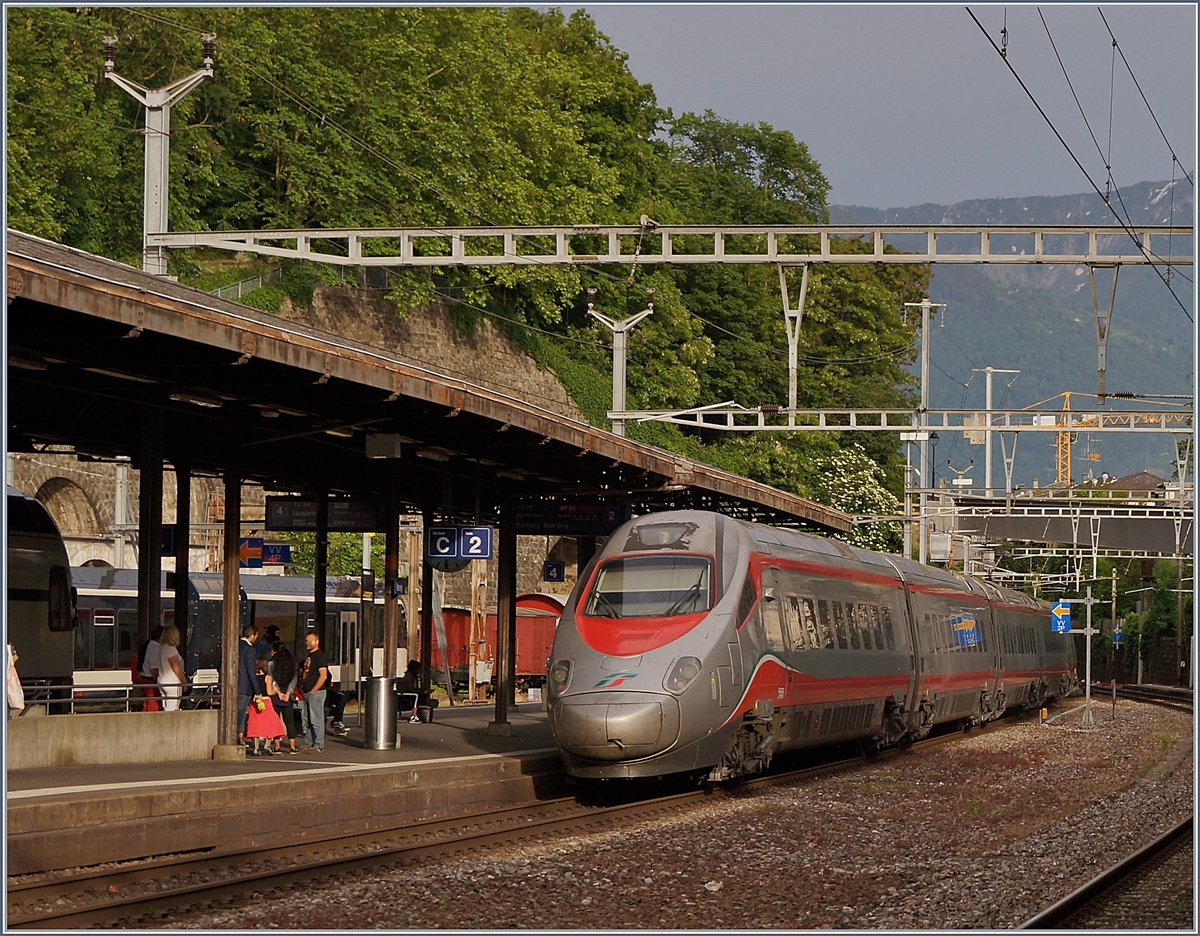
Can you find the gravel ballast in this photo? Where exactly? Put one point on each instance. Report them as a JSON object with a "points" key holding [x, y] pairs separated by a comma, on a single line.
{"points": [[982, 833]]}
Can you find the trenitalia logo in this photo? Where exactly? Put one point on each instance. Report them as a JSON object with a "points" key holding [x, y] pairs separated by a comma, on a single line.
{"points": [[613, 679]]}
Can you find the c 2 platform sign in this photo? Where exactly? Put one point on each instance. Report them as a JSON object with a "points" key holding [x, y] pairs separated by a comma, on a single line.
{"points": [[1060, 617], [459, 543]]}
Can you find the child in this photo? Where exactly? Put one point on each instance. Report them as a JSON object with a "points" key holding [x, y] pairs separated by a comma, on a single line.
{"points": [[263, 722]]}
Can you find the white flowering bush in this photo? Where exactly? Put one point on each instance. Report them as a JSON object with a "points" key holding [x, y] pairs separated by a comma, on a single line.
{"points": [[851, 481]]}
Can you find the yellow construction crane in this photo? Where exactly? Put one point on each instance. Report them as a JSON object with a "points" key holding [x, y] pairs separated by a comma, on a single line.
{"points": [[1063, 439]]}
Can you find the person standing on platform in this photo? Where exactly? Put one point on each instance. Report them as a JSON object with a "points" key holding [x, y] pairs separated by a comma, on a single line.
{"points": [[147, 668], [284, 678], [171, 677], [316, 682], [262, 721], [247, 681]]}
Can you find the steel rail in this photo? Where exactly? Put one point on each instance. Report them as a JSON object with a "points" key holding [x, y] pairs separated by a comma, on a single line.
{"points": [[1095, 890], [434, 838]]}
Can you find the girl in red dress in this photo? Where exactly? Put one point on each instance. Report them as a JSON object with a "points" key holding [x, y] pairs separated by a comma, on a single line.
{"points": [[263, 722]]}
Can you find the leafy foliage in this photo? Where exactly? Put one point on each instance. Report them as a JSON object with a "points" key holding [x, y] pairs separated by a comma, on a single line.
{"points": [[438, 116]]}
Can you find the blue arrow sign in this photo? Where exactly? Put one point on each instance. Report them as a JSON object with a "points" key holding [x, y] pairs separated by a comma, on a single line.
{"points": [[475, 542], [1060, 618], [1118, 632], [443, 543]]}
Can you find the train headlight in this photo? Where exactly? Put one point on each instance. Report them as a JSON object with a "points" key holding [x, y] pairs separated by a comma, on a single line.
{"points": [[683, 674], [560, 676]]}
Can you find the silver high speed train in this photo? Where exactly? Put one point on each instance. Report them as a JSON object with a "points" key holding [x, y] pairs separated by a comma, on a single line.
{"points": [[699, 643]]}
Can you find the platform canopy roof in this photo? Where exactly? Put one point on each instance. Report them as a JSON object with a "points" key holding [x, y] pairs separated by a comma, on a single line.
{"points": [[96, 349]]}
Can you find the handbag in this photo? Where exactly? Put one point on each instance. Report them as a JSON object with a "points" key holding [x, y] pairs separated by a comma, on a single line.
{"points": [[16, 694]]}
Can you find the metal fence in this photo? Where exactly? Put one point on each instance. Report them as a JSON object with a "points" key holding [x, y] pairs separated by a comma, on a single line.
{"points": [[80, 698], [239, 289]]}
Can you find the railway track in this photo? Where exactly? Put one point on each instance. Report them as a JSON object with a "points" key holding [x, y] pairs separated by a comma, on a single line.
{"points": [[1157, 876], [1166, 696], [146, 892]]}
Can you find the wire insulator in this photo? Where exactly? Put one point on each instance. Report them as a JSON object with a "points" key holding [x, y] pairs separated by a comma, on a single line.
{"points": [[210, 49], [110, 52]]}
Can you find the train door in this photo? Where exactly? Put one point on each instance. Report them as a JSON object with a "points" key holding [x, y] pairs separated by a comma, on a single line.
{"points": [[351, 649], [775, 633]]}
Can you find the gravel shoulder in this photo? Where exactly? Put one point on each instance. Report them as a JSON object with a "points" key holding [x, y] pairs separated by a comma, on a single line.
{"points": [[983, 833]]}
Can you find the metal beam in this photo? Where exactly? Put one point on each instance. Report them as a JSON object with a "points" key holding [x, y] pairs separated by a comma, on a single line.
{"points": [[692, 243]]}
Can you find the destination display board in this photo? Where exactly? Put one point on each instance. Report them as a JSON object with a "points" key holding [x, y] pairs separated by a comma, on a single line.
{"points": [[346, 514], [597, 517]]}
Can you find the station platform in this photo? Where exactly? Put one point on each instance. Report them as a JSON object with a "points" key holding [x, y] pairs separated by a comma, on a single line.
{"points": [[76, 816]]}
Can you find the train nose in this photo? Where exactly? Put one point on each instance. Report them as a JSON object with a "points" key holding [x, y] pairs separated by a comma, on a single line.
{"points": [[614, 726]]}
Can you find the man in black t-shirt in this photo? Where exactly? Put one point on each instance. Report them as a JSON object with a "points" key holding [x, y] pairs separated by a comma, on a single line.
{"points": [[316, 682]]}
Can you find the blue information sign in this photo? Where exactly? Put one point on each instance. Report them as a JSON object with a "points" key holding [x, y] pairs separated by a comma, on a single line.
{"points": [[475, 542], [277, 553], [1060, 618], [1118, 632], [250, 552], [442, 543]]}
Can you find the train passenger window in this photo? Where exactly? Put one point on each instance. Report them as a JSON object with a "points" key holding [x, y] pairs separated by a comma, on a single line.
{"points": [[839, 626], [791, 610], [83, 640], [885, 616], [102, 641], [852, 626], [126, 637], [810, 624], [864, 624], [827, 639], [876, 628]]}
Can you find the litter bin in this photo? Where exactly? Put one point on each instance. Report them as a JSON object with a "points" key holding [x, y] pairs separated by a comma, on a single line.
{"points": [[379, 704]]}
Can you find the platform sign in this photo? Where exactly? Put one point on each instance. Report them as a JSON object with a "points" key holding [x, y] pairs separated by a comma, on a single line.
{"points": [[475, 542], [250, 552], [1118, 630], [576, 517], [554, 571], [345, 514], [965, 629], [442, 543], [276, 553], [1060, 618]]}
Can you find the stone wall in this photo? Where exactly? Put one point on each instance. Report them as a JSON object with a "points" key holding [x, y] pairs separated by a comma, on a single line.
{"points": [[425, 336]]}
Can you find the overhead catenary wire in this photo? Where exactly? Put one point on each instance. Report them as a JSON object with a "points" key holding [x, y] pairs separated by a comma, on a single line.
{"points": [[1136, 84], [1125, 227]]}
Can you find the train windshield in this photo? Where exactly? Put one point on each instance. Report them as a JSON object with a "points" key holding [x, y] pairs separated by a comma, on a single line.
{"points": [[651, 586]]}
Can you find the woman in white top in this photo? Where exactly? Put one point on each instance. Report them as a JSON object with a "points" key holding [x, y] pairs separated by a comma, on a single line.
{"points": [[170, 669]]}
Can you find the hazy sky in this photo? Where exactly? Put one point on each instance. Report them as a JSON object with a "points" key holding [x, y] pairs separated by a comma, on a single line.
{"points": [[908, 104]]}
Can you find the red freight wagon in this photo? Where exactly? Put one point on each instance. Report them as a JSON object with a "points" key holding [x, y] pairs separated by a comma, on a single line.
{"points": [[537, 618]]}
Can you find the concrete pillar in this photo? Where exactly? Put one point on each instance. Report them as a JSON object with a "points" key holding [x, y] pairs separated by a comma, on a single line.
{"points": [[321, 567], [227, 747], [391, 571], [506, 617], [150, 465], [412, 611], [183, 530]]}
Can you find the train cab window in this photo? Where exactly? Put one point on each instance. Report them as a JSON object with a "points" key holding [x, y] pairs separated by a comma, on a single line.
{"points": [[852, 626], [746, 601], [773, 624], [657, 586], [889, 633], [61, 617], [839, 626]]}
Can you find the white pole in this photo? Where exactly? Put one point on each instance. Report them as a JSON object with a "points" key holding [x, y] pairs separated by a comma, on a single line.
{"points": [[1087, 692]]}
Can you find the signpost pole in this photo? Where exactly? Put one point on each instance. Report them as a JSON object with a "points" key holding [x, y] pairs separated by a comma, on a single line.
{"points": [[1087, 705]]}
